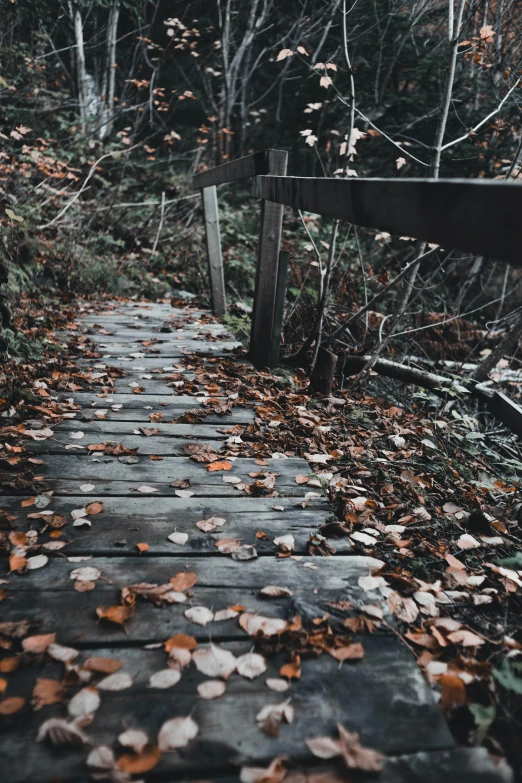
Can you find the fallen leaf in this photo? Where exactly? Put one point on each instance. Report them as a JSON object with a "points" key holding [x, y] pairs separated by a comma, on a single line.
{"points": [[17, 563], [285, 543], [102, 665], [291, 670], [244, 552], [61, 732], [465, 638], [210, 524], [199, 615], [214, 661], [270, 717], [183, 580], [115, 682], [85, 702], [95, 508], [177, 733], [165, 678], [178, 538], [134, 738], [38, 644], [224, 465], [211, 689], [11, 705], [86, 487], [136, 763], [142, 547], [38, 561], [115, 614], [277, 684], [352, 652], [274, 591], [275, 773], [146, 490], [180, 641], [256, 624], [251, 665], [47, 692]]}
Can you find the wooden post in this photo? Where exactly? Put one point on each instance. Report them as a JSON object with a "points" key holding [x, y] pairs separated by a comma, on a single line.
{"points": [[323, 375], [215, 260], [262, 350], [279, 307]]}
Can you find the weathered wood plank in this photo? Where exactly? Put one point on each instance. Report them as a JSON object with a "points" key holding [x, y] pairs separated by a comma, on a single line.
{"points": [[104, 428], [171, 350], [149, 363], [154, 444], [364, 699], [214, 257], [454, 213], [267, 276], [126, 522], [141, 416], [242, 168]]}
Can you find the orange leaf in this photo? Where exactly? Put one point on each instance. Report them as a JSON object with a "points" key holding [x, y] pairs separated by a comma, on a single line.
{"points": [[38, 644], [94, 508], [291, 670], [224, 465], [27, 502], [180, 641], [136, 763], [453, 691], [3, 684], [17, 563], [155, 458], [102, 665], [115, 614], [183, 580], [47, 692], [13, 704], [352, 652], [9, 665], [97, 447], [142, 547]]}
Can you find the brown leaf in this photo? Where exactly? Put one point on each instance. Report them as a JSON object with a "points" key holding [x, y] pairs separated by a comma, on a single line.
{"points": [[355, 755], [47, 692], [183, 580], [453, 691], [115, 614], [352, 652], [10, 664], [17, 563], [94, 508], [275, 773], [11, 705], [291, 670], [142, 547], [224, 465], [148, 431], [201, 452], [136, 763], [180, 641], [28, 502], [38, 644], [102, 665], [274, 591]]}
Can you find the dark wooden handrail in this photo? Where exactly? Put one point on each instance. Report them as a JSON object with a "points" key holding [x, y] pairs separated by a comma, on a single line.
{"points": [[478, 216]]}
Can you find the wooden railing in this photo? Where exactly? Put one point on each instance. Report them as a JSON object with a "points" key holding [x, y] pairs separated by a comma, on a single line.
{"points": [[477, 216]]}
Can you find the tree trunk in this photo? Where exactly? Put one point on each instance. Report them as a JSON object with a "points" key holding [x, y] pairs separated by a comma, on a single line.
{"points": [[81, 72], [109, 76]]}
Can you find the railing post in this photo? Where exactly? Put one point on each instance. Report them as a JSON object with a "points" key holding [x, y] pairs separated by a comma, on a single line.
{"points": [[215, 259], [263, 351]]}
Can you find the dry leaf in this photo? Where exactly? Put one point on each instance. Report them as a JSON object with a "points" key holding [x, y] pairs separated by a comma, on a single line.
{"points": [[177, 733], [142, 547], [134, 738], [38, 561], [146, 490], [181, 641], [178, 538], [38, 644], [251, 665], [17, 563], [47, 692], [352, 652], [199, 615], [244, 552], [165, 678], [183, 580], [60, 732], [95, 508], [85, 702], [274, 591], [270, 717], [102, 665], [285, 543], [115, 682], [255, 624], [404, 608], [211, 689], [115, 614], [277, 684], [136, 763], [224, 465], [11, 705], [214, 661], [275, 773]]}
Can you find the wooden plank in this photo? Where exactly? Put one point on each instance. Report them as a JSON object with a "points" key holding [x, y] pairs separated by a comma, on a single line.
{"points": [[140, 401], [364, 699], [267, 276], [122, 428], [146, 445], [126, 522], [168, 350], [479, 216], [99, 469], [142, 416], [279, 306], [214, 257], [506, 410], [242, 168], [149, 362]]}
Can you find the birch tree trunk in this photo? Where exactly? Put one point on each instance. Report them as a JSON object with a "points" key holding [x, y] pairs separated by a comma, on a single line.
{"points": [[81, 72], [109, 76]]}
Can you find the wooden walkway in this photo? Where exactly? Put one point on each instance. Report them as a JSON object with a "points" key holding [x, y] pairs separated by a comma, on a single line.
{"points": [[138, 502]]}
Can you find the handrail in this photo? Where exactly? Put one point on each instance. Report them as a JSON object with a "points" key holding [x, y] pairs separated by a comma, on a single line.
{"points": [[477, 216]]}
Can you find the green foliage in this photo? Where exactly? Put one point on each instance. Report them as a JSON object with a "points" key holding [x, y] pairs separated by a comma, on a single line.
{"points": [[509, 675]]}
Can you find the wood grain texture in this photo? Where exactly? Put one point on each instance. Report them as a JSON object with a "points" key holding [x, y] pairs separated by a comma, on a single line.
{"points": [[479, 216], [242, 168], [214, 257]]}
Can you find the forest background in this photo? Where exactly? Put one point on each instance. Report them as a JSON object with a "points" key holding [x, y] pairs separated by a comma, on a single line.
{"points": [[109, 107]]}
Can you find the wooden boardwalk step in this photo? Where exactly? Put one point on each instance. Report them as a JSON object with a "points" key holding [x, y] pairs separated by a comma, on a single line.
{"points": [[382, 696]]}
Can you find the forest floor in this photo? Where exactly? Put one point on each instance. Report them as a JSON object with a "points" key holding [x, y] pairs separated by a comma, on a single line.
{"points": [[413, 565]]}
